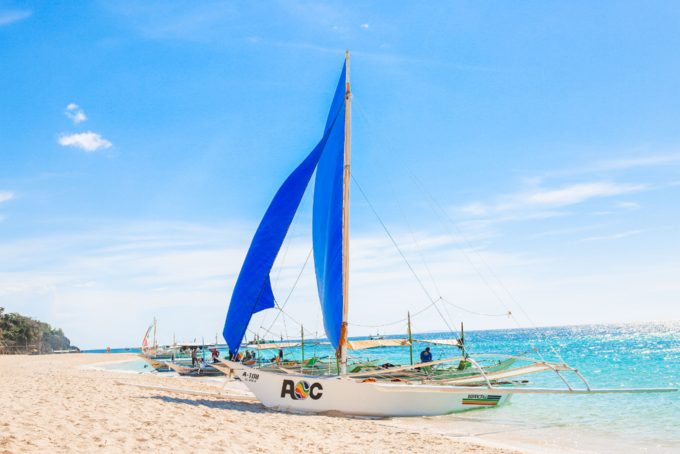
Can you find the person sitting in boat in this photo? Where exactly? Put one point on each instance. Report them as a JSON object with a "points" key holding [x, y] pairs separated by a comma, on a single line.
{"points": [[215, 355], [280, 355], [426, 356]]}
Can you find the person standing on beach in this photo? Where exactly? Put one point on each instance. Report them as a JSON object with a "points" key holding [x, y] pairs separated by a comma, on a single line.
{"points": [[194, 358]]}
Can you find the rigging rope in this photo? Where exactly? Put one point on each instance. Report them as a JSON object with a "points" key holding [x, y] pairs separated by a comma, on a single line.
{"points": [[375, 150], [291, 290], [391, 238], [290, 237], [401, 253], [421, 187], [507, 314], [285, 253], [393, 323]]}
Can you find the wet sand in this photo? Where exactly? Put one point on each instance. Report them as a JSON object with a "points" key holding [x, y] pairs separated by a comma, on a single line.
{"points": [[51, 404]]}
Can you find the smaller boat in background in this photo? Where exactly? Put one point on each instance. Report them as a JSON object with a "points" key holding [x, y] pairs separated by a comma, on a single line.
{"points": [[203, 370]]}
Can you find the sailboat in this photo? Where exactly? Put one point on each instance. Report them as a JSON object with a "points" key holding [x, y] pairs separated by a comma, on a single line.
{"points": [[363, 392], [160, 357]]}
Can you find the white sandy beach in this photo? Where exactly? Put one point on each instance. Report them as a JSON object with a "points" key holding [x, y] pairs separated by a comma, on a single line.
{"points": [[51, 404]]}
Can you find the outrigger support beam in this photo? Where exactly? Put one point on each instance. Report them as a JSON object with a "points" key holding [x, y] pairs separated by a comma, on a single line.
{"points": [[481, 371], [583, 378], [560, 375], [452, 387]]}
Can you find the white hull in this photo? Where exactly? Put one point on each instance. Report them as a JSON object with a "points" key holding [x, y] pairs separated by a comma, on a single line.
{"points": [[317, 394]]}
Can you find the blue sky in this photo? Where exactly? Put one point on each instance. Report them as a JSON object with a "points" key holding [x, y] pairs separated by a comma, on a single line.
{"points": [[141, 142]]}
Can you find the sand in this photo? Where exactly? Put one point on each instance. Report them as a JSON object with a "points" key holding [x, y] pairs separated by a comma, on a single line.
{"points": [[50, 404]]}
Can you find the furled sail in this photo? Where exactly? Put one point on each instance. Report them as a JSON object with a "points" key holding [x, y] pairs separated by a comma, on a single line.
{"points": [[327, 218], [253, 291]]}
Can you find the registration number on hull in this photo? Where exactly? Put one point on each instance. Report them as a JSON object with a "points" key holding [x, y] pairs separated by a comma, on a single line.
{"points": [[482, 399], [249, 377]]}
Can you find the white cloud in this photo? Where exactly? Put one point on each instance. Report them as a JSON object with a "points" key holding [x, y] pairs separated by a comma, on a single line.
{"points": [[7, 17], [639, 162], [148, 270], [75, 113], [194, 21], [475, 209], [364, 26], [87, 284], [88, 141], [553, 198], [6, 195], [579, 193], [623, 206], [628, 205], [612, 237], [568, 230]]}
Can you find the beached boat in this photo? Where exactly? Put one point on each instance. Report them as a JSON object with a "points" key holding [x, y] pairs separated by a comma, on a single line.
{"points": [[410, 390]]}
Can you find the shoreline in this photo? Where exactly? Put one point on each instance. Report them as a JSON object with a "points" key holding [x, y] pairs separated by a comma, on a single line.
{"points": [[501, 432], [55, 403]]}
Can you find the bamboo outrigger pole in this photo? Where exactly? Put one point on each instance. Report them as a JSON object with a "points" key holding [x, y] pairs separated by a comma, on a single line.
{"points": [[345, 223]]}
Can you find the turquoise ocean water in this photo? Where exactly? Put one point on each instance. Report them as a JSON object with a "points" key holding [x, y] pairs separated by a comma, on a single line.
{"points": [[640, 355], [609, 356]]}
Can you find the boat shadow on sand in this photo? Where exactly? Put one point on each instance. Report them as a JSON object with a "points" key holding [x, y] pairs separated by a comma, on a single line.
{"points": [[255, 407], [252, 407]]}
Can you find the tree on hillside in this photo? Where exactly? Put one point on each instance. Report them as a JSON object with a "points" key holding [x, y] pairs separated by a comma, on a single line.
{"points": [[19, 331]]}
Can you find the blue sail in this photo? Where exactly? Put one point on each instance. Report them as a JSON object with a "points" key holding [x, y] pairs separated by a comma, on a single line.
{"points": [[253, 291], [327, 218]]}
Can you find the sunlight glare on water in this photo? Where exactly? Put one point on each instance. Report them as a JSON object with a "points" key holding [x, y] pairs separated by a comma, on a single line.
{"points": [[640, 355]]}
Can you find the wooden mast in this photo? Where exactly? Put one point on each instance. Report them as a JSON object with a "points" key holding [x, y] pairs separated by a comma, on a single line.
{"points": [[345, 222]]}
